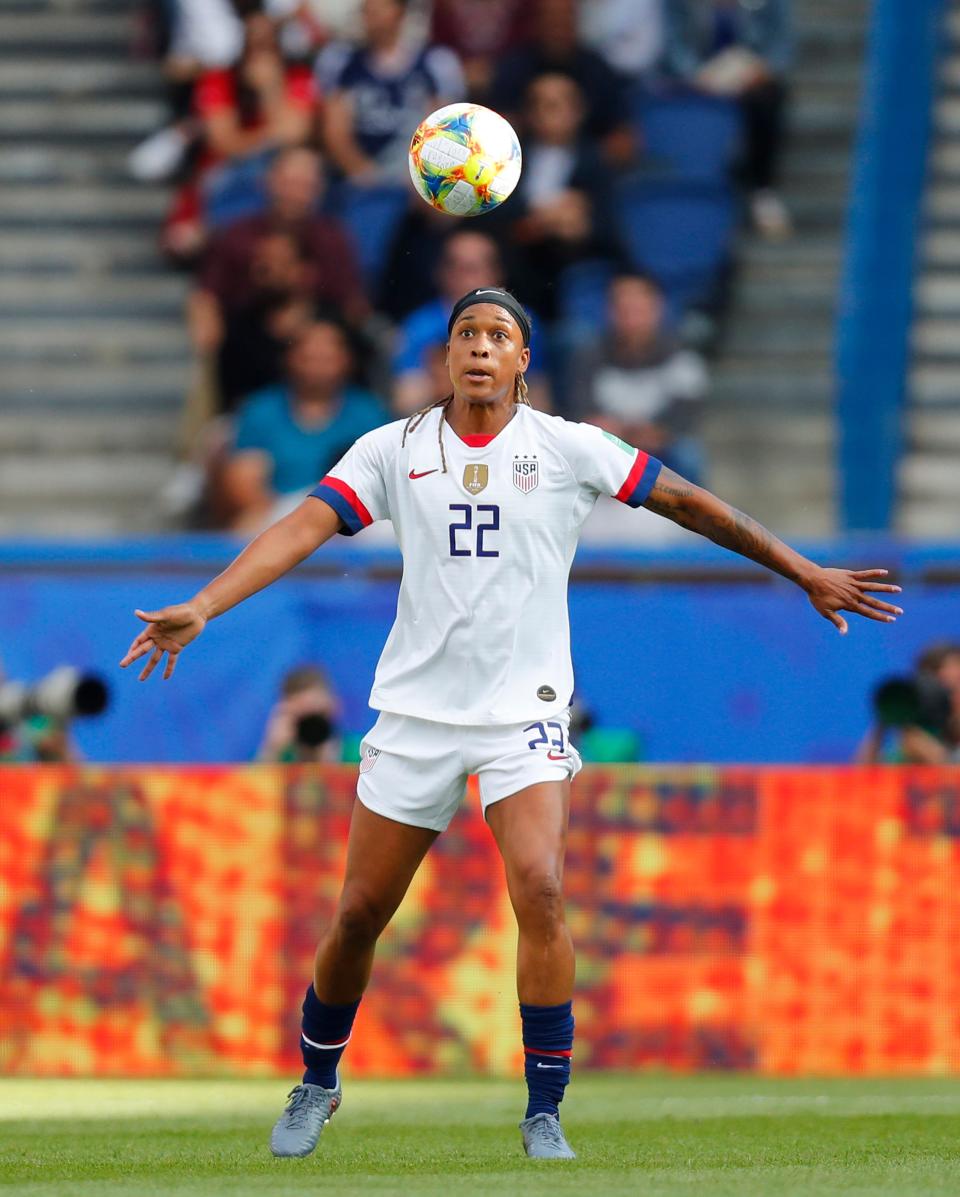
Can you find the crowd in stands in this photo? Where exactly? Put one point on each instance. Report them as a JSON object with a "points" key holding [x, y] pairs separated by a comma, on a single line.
{"points": [[321, 283]]}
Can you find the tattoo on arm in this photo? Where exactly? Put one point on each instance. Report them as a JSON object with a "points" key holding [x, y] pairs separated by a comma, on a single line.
{"points": [[699, 511]]}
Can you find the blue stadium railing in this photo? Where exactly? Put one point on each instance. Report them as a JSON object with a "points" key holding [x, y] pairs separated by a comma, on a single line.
{"points": [[876, 296]]}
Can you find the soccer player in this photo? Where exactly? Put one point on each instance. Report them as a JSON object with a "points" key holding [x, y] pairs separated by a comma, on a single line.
{"points": [[487, 497]]}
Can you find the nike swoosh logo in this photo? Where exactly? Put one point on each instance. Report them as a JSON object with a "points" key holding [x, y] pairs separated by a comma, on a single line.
{"points": [[488, 292], [557, 756], [539, 1065], [422, 474]]}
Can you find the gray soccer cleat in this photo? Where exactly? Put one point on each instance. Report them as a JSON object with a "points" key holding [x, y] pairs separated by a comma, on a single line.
{"points": [[543, 1138], [308, 1111]]}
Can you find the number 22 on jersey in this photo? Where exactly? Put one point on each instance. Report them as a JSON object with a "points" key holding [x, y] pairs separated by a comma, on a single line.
{"points": [[466, 536]]}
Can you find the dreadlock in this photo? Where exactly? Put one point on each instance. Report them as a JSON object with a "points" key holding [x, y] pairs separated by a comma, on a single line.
{"points": [[520, 396]]}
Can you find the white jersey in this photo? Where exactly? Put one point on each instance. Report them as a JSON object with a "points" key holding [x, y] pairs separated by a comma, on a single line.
{"points": [[482, 634]]}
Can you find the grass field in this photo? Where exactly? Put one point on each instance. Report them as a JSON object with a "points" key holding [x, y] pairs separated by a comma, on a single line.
{"points": [[650, 1136]]}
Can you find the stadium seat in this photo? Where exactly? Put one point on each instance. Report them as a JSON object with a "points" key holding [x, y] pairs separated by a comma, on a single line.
{"points": [[372, 214], [582, 295], [681, 233], [693, 136]]}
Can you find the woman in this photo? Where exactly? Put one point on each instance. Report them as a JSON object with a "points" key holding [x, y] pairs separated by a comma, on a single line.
{"points": [[487, 497]]}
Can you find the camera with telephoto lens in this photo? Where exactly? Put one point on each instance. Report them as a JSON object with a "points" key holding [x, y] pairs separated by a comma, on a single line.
{"points": [[919, 701], [62, 695], [312, 730]]}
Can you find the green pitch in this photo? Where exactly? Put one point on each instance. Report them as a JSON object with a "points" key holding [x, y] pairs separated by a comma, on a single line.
{"points": [[645, 1136]]}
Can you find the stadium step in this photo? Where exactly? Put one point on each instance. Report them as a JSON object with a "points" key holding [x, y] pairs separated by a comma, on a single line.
{"points": [[41, 386], [60, 296], [82, 476], [936, 431], [749, 389], [86, 433], [81, 206], [66, 120], [932, 385], [105, 250], [85, 341], [51, 79], [45, 30], [39, 162]]}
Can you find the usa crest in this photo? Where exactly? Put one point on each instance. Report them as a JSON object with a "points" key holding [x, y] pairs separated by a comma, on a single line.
{"points": [[475, 478], [369, 758], [526, 474]]}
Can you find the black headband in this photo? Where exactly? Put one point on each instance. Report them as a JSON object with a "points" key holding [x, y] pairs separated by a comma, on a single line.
{"points": [[502, 299]]}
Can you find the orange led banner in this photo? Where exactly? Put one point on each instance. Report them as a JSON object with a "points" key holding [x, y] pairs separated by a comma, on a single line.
{"points": [[163, 922]]}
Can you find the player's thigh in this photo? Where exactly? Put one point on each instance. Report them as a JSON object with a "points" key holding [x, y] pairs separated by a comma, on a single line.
{"points": [[382, 859], [530, 829]]}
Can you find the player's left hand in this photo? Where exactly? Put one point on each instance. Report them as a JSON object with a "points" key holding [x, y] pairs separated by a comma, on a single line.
{"points": [[834, 590]]}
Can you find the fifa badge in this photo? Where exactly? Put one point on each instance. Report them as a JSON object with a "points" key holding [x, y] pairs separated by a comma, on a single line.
{"points": [[526, 474], [475, 478]]}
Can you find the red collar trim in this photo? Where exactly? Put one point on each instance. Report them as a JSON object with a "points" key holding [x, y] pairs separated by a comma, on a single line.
{"points": [[477, 440]]}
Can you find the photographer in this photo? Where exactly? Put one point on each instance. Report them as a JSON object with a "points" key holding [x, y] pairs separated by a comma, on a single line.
{"points": [[917, 719], [35, 719], [302, 725]]}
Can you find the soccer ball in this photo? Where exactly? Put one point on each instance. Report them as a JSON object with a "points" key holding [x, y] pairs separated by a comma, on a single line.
{"points": [[465, 159]]}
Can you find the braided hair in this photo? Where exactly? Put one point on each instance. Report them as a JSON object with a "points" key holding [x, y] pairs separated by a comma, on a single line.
{"points": [[520, 396]]}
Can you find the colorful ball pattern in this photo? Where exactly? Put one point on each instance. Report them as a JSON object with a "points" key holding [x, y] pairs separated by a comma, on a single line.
{"points": [[465, 159]]}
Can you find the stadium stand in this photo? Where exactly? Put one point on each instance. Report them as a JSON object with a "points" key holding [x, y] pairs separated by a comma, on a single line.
{"points": [[95, 347], [769, 427]]}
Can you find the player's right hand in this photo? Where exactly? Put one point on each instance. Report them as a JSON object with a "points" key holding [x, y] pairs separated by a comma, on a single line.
{"points": [[168, 631]]}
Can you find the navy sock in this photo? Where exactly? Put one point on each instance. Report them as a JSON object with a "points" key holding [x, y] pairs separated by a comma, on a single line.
{"points": [[547, 1047], [325, 1032]]}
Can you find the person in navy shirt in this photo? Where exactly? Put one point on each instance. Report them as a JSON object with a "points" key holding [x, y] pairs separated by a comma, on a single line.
{"points": [[288, 436], [377, 92]]}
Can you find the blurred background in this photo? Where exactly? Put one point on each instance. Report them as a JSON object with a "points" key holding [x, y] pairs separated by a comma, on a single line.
{"points": [[738, 230]]}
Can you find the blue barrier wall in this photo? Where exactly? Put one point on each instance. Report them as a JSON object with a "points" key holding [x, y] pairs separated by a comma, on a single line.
{"points": [[728, 667]]}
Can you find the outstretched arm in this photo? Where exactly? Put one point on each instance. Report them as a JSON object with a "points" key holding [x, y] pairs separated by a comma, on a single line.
{"points": [[829, 590], [265, 559]]}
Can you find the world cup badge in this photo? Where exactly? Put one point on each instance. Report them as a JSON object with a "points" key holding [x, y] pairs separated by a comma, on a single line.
{"points": [[526, 474], [475, 478]]}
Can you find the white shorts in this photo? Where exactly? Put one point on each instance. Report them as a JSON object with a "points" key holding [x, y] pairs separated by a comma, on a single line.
{"points": [[415, 771]]}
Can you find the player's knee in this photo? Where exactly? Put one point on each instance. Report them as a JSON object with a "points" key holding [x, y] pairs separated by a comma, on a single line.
{"points": [[539, 893], [359, 920]]}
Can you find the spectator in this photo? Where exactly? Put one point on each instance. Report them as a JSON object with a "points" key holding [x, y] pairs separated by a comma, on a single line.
{"points": [[639, 383], [303, 724], [288, 436], [627, 33], [228, 284], [376, 93], [308, 25], [469, 260], [558, 215], [481, 32], [243, 113], [258, 334], [556, 48], [201, 35], [726, 48]]}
